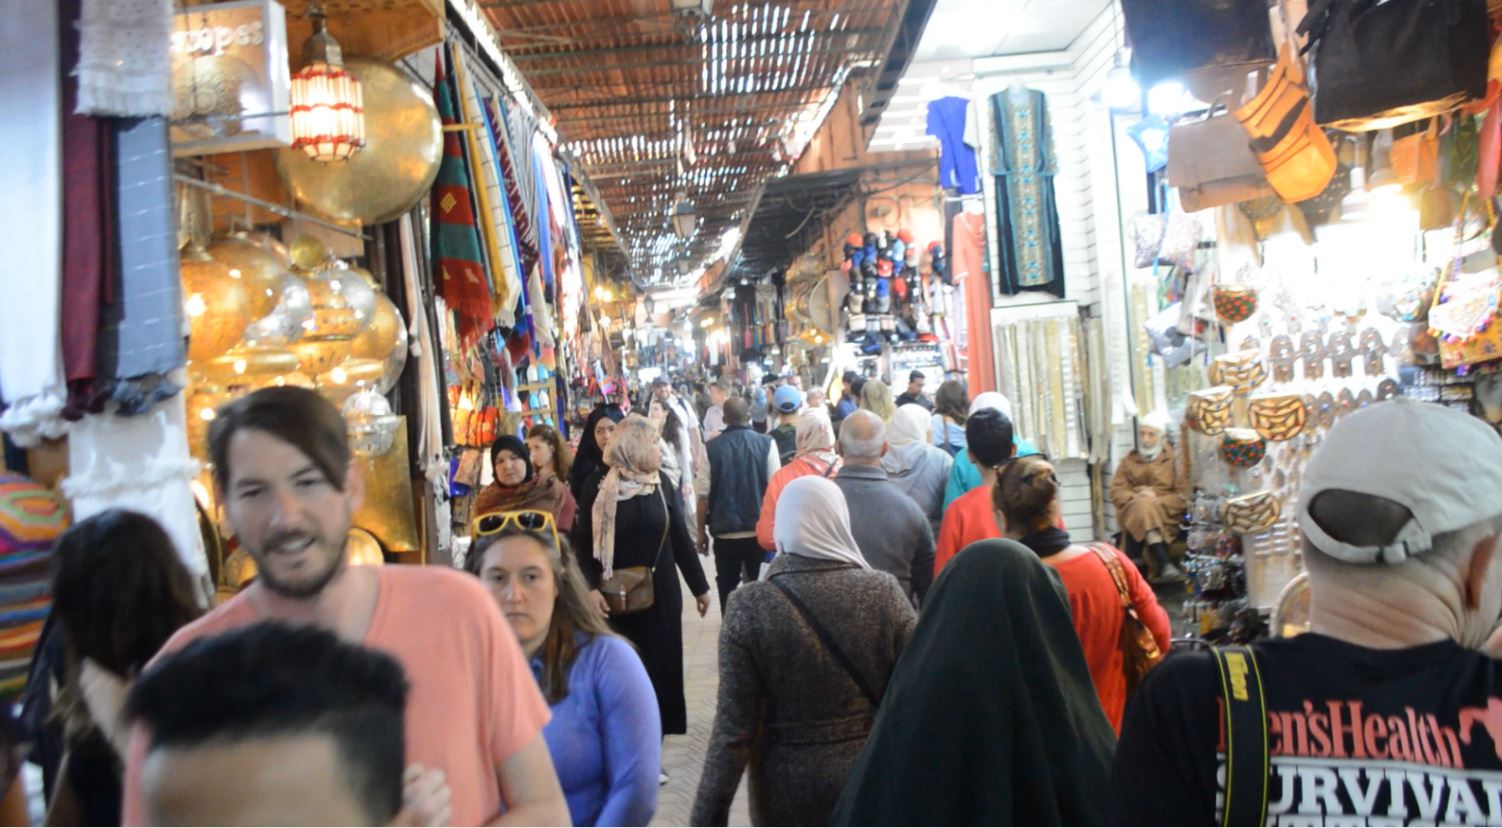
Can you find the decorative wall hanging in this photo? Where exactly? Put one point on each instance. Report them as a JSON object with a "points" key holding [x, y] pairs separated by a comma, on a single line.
{"points": [[1209, 410], [1242, 448], [1278, 417], [1252, 514]]}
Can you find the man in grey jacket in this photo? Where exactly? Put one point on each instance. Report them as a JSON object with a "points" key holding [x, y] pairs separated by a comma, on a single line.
{"points": [[892, 532]]}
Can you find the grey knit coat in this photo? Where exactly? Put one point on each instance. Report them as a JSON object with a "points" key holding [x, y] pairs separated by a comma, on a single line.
{"points": [[787, 710]]}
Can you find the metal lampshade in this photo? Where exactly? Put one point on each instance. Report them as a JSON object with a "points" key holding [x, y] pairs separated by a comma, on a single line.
{"points": [[685, 219], [328, 106]]}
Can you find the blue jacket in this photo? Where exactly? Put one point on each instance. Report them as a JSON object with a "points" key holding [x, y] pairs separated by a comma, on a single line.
{"points": [[738, 479]]}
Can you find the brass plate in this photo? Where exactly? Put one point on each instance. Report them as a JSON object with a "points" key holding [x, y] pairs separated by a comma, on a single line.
{"points": [[387, 513], [403, 147]]}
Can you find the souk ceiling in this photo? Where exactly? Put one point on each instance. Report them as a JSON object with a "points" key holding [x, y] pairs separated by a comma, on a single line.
{"points": [[659, 105]]}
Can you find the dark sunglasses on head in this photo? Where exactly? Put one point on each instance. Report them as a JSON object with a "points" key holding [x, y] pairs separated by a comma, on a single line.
{"points": [[531, 520]]}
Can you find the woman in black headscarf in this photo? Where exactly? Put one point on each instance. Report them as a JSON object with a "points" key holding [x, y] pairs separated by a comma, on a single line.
{"points": [[591, 454], [990, 717]]}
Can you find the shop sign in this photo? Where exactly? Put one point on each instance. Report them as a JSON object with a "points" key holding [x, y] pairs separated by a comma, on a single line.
{"points": [[230, 79]]}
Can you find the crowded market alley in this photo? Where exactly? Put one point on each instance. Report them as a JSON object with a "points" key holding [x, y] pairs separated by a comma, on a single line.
{"points": [[751, 412]]}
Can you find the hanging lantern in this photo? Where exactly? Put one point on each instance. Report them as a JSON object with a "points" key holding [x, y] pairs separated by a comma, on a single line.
{"points": [[328, 108]]}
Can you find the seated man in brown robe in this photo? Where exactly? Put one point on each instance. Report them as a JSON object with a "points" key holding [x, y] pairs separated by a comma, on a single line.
{"points": [[1148, 493]]}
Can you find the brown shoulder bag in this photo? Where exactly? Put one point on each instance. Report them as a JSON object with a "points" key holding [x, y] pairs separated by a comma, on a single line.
{"points": [[1139, 650], [629, 589]]}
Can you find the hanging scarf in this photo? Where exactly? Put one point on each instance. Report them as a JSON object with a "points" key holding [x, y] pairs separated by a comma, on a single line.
{"points": [[635, 463], [456, 239], [31, 221], [1046, 542], [495, 226], [991, 708], [125, 60], [813, 521]]}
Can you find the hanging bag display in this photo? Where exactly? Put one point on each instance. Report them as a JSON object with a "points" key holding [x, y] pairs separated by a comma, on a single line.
{"points": [[1211, 162], [1376, 65], [1209, 411], [1294, 152], [1242, 448], [1252, 514], [1178, 38]]}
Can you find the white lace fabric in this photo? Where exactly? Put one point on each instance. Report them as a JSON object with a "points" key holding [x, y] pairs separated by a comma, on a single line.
{"points": [[125, 60]]}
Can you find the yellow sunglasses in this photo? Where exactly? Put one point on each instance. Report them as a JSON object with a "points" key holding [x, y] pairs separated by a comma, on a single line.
{"points": [[531, 520]]}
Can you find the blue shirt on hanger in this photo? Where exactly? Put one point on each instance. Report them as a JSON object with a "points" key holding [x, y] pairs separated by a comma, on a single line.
{"points": [[957, 168]]}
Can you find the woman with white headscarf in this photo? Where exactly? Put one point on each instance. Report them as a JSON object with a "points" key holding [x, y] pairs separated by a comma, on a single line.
{"points": [[634, 518], [914, 464], [815, 456], [804, 661], [964, 476]]}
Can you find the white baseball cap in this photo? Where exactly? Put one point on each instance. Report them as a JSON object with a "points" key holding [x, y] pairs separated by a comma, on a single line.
{"points": [[1444, 466]]}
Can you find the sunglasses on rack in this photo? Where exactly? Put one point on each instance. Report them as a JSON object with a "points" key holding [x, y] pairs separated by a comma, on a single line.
{"points": [[531, 520]]}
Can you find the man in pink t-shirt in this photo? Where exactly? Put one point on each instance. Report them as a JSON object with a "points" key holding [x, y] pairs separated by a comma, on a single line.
{"points": [[290, 488]]}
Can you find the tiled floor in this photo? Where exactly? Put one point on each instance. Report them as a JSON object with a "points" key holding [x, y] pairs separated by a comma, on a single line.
{"points": [[683, 756]]}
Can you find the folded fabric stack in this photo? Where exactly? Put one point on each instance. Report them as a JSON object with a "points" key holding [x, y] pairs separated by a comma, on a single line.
{"points": [[31, 518]]}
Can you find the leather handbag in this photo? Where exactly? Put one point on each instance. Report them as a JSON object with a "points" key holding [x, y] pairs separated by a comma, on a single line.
{"points": [[1242, 448], [1243, 371], [1209, 410], [1211, 162], [1234, 304], [1380, 64], [1139, 649], [1252, 514], [1278, 417], [629, 589], [1415, 157], [1173, 38], [1294, 152]]}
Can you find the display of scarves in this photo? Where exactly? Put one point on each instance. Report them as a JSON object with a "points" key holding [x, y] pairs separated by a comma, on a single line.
{"points": [[89, 232], [516, 195], [125, 57], [141, 339], [31, 369], [521, 128], [456, 240], [1023, 167], [1042, 362], [495, 225]]}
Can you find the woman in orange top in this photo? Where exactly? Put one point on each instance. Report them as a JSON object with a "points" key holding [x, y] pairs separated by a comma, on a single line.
{"points": [[1027, 495], [815, 455], [971, 516]]}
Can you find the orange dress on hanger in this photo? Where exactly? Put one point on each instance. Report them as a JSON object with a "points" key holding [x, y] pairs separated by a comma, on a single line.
{"points": [[967, 263]]}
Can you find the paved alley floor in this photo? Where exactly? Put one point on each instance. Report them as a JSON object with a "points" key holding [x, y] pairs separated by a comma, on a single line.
{"points": [[683, 756]]}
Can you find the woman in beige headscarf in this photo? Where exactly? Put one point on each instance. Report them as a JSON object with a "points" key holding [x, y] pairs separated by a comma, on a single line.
{"points": [[635, 519], [916, 466], [815, 456]]}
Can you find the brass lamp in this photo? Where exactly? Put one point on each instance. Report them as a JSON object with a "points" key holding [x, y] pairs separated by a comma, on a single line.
{"points": [[328, 105]]}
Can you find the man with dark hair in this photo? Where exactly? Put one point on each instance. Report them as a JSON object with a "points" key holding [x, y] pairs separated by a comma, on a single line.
{"points": [[971, 517], [892, 532], [914, 393], [289, 489], [741, 462], [850, 396], [1384, 712], [272, 724]]}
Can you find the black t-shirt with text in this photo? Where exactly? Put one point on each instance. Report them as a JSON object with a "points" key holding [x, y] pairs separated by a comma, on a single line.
{"points": [[1356, 737]]}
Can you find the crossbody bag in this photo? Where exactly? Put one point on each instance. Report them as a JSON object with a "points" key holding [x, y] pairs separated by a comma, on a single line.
{"points": [[829, 644], [629, 589], [1139, 650]]}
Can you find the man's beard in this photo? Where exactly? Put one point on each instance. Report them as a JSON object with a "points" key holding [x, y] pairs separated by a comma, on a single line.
{"points": [[303, 589]]}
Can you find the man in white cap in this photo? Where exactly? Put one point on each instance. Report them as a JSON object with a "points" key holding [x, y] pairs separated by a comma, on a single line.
{"points": [[1386, 712]]}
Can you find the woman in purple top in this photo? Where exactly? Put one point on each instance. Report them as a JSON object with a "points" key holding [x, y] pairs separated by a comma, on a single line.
{"points": [[605, 734]]}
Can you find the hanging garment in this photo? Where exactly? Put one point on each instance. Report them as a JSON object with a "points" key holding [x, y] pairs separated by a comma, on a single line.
{"points": [[1023, 165], [1042, 361], [456, 241], [89, 232], [31, 375], [957, 167], [141, 339], [139, 463], [967, 262], [125, 57], [495, 224], [516, 199]]}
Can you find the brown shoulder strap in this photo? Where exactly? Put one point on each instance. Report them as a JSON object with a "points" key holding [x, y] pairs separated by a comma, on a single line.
{"points": [[1118, 575]]}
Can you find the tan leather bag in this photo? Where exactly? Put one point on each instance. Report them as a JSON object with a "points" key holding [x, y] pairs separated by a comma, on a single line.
{"points": [[1293, 151], [1252, 514], [1211, 162], [1209, 411], [1139, 650], [629, 589], [1278, 417]]}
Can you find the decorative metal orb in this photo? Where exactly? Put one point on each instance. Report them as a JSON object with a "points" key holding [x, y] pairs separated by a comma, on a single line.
{"points": [[218, 306], [344, 302], [255, 266], [287, 321], [350, 377], [308, 252], [362, 549], [316, 357], [385, 340], [372, 426]]}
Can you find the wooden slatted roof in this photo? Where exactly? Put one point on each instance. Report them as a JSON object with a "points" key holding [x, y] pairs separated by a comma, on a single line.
{"points": [[656, 106]]}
